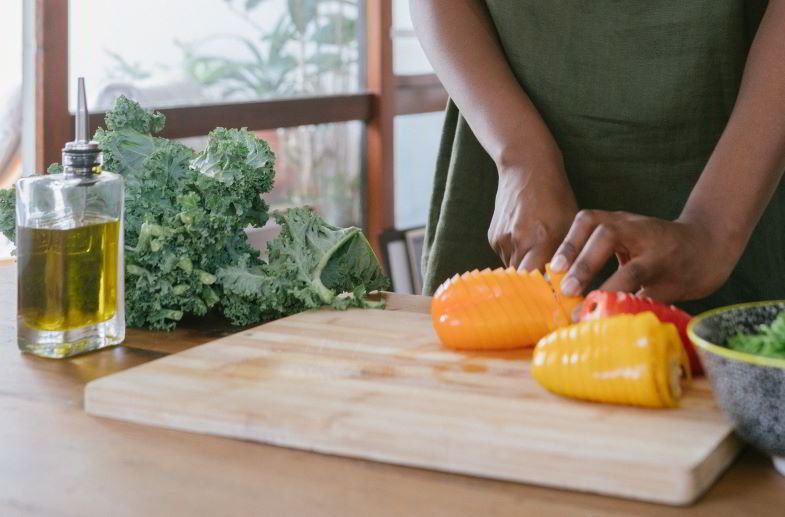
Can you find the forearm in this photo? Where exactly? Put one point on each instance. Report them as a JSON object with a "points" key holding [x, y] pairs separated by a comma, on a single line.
{"points": [[461, 43], [749, 159]]}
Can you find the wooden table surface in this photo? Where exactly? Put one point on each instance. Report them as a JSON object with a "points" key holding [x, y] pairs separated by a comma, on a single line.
{"points": [[56, 460]]}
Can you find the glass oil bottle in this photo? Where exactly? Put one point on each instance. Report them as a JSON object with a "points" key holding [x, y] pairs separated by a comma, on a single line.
{"points": [[69, 250]]}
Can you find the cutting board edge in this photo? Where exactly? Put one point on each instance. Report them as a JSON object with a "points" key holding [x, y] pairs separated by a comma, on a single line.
{"points": [[708, 471], [690, 486]]}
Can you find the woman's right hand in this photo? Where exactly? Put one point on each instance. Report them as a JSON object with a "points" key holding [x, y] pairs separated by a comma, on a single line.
{"points": [[535, 207]]}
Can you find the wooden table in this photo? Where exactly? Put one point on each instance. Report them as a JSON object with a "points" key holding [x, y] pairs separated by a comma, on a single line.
{"points": [[56, 460]]}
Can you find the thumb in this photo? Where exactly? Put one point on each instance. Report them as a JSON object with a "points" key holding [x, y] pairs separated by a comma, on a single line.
{"points": [[629, 278]]}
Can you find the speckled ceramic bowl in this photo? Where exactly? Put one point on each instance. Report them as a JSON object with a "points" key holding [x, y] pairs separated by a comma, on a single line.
{"points": [[749, 388]]}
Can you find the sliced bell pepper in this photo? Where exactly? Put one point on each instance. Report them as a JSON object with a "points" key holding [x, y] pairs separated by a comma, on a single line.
{"points": [[568, 302], [626, 359], [497, 309], [601, 304]]}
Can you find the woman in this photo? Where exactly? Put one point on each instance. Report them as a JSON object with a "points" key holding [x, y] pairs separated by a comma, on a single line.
{"points": [[652, 131]]}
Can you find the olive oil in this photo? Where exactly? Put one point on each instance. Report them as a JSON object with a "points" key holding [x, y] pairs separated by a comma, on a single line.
{"points": [[70, 275]]}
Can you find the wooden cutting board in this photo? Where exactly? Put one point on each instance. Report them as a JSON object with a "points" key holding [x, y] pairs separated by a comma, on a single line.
{"points": [[377, 385]]}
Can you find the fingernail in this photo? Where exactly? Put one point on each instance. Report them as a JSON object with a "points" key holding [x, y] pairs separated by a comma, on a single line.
{"points": [[559, 263], [570, 286]]}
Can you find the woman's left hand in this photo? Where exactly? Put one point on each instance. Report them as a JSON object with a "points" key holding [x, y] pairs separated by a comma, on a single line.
{"points": [[666, 260]]}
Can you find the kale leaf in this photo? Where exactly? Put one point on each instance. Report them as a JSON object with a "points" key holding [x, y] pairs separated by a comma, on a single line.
{"points": [[185, 218], [310, 264], [8, 213]]}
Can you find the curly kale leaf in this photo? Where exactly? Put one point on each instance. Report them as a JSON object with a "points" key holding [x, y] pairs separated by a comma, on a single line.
{"points": [[236, 167], [310, 264], [163, 282], [245, 284], [128, 114], [183, 222], [155, 184], [8, 213]]}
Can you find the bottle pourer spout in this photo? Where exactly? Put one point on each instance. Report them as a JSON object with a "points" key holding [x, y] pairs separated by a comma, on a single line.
{"points": [[82, 126], [82, 140], [82, 155]]}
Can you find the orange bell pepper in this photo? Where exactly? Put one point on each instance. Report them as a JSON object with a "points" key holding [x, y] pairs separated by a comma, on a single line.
{"points": [[499, 309], [626, 359], [567, 302]]}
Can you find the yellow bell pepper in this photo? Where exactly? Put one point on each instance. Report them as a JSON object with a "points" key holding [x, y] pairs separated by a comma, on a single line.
{"points": [[626, 359]]}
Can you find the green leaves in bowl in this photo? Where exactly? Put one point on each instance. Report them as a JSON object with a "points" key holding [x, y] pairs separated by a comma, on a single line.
{"points": [[768, 341]]}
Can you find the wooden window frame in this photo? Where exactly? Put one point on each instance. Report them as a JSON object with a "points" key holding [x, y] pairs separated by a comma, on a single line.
{"points": [[386, 96], [189, 121]]}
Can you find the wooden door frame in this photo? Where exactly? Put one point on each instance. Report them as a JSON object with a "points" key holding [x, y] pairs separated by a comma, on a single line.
{"points": [[52, 128]]}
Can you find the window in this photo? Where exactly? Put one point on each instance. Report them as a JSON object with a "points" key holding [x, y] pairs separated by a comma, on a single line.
{"points": [[10, 91], [10, 100], [319, 166], [417, 134], [409, 58], [416, 143], [322, 80], [213, 51]]}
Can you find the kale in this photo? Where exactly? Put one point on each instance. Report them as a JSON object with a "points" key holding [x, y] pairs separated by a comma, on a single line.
{"points": [[8, 213], [185, 213], [127, 114], [185, 218], [310, 264]]}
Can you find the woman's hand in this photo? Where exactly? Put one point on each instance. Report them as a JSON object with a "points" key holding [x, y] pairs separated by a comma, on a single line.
{"points": [[534, 202], [534, 209], [666, 260]]}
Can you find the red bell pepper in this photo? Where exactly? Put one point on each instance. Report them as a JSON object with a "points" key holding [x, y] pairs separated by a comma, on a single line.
{"points": [[601, 304]]}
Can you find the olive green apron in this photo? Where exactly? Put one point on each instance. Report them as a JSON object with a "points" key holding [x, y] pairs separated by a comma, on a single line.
{"points": [[636, 94]]}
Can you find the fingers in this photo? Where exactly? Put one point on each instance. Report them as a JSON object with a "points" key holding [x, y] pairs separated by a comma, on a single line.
{"points": [[644, 246], [536, 258], [502, 253], [516, 257], [581, 230], [600, 247], [623, 257], [519, 255], [502, 245]]}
